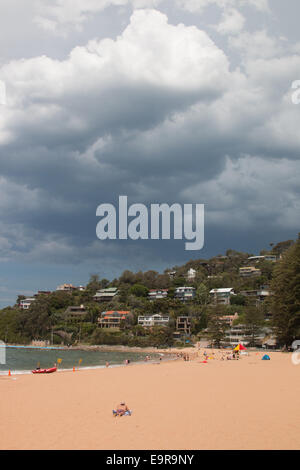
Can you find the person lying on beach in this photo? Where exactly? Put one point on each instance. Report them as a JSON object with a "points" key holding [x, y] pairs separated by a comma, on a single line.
{"points": [[121, 409]]}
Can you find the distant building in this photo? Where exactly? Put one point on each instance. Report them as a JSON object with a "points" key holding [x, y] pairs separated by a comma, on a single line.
{"points": [[184, 293], [235, 335], [229, 319], [105, 295], [43, 292], [183, 325], [153, 320], [263, 293], [256, 296], [172, 274], [249, 271], [272, 258], [158, 294], [255, 259], [191, 274], [25, 303], [113, 319], [251, 296], [77, 313], [221, 296], [267, 257], [66, 287], [238, 334]]}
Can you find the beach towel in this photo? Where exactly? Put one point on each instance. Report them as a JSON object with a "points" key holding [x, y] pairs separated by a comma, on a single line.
{"points": [[127, 413]]}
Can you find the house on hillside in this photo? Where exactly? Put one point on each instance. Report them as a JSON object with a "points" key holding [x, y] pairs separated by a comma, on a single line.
{"points": [[183, 326], [66, 287], [221, 296], [267, 257], [43, 292], [249, 271], [184, 293], [25, 303], [153, 320], [229, 319], [191, 274], [105, 295], [155, 294], [272, 258], [113, 318], [239, 334], [256, 297], [77, 313], [171, 274]]}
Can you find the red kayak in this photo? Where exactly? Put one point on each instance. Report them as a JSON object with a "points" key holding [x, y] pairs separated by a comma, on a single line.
{"points": [[44, 371]]}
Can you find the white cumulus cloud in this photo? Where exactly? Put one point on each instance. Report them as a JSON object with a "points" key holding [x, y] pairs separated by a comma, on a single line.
{"points": [[232, 22]]}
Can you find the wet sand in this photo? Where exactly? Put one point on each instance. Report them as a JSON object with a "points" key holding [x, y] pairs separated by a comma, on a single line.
{"points": [[244, 404]]}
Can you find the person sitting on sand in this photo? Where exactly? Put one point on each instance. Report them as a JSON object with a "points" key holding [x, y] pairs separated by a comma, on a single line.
{"points": [[121, 409]]}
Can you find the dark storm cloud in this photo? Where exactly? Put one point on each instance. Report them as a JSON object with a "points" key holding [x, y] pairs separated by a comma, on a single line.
{"points": [[155, 115]]}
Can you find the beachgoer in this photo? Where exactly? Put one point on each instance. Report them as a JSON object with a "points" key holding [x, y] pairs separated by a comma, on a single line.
{"points": [[107, 364], [121, 409]]}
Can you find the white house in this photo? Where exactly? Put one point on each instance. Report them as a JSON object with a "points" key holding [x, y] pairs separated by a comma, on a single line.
{"points": [[184, 293], [191, 274], [25, 303], [222, 296], [158, 294], [153, 320]]}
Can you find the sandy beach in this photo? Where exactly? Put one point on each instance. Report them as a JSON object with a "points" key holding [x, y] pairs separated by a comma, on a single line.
{"points": [[236, 404]]}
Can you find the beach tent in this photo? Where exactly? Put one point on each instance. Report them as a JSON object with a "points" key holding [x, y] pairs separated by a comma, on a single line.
{"points": [[240, 347], [266, 357]]}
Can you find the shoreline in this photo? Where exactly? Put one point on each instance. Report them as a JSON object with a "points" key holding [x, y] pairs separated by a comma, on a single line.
{"points": [[171, 354], [165, 356]]}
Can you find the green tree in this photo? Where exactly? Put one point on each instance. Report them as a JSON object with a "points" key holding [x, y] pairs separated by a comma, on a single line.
{"points": [[202, 294], [286, 295], [38, 320], [238, 299], [139, 290], [216, 327]]}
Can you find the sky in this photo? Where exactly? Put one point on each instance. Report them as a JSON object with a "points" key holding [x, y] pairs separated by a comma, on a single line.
{"points": [[182, 101]]}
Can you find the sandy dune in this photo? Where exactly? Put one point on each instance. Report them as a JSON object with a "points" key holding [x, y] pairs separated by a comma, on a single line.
{"points": [[245, 404]]}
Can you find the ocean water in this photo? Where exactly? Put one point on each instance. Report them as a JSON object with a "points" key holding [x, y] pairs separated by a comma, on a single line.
{"points": [[25, 359]]}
